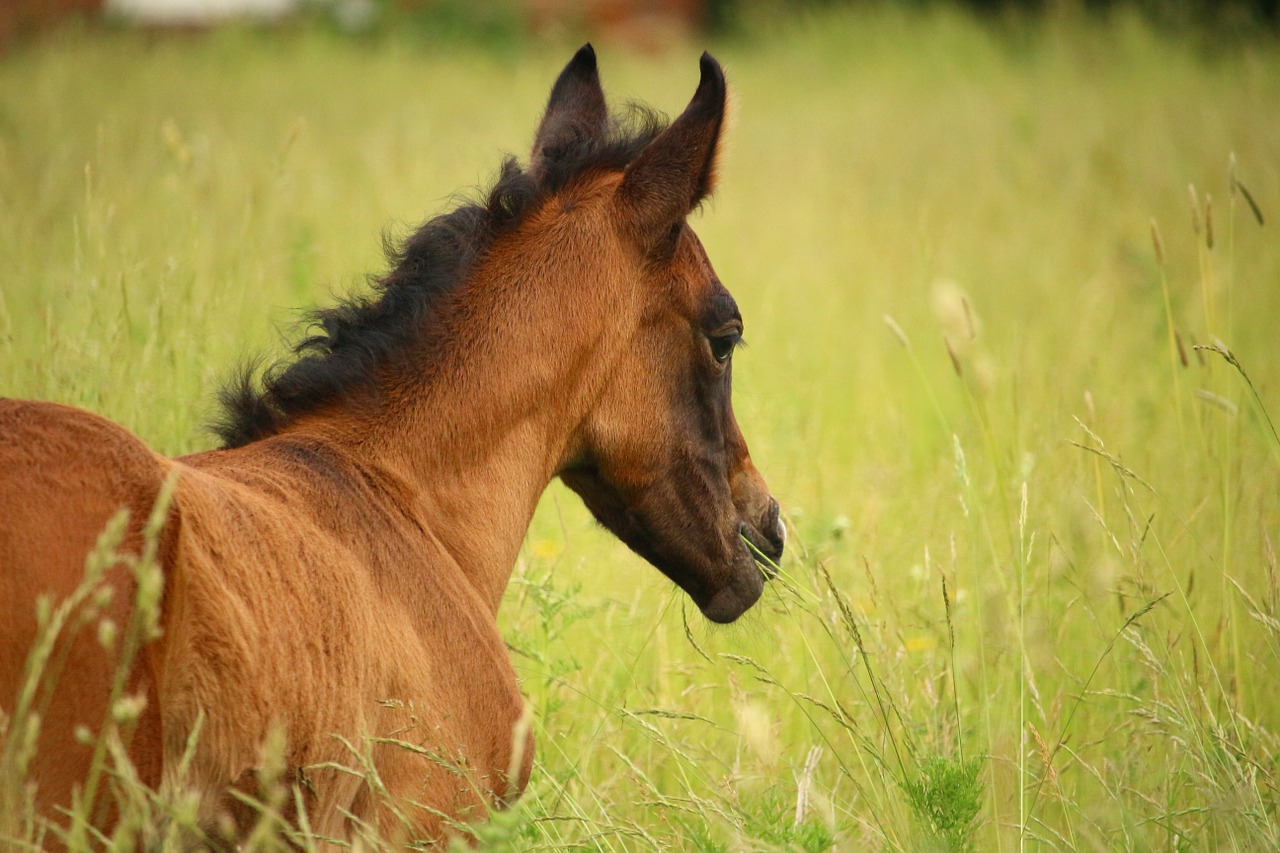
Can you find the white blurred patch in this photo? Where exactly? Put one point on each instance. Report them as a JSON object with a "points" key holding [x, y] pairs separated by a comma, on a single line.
{"points": [[756, 729], [955, 314], [194, 12]]}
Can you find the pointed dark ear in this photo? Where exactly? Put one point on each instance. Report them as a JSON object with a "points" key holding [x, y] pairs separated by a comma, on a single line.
{"points": [[576, 110], [677, 170]]}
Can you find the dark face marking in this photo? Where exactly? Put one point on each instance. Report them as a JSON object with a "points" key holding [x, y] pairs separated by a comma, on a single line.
{"points": [[660, 460], [685, 495]]}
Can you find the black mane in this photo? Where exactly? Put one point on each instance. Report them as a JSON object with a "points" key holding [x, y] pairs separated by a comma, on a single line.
{"points": [[352, 342]]}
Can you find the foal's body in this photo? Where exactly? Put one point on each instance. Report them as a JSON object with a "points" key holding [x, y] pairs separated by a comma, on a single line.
{"points": [[333, 574], [342, 638]]}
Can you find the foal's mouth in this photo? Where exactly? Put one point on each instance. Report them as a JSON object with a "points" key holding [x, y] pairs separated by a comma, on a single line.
{"points": [[766, 541], [766, 555]]}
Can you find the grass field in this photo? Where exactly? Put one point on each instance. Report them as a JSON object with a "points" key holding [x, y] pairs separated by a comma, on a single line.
{"points": [[1013, 374]]}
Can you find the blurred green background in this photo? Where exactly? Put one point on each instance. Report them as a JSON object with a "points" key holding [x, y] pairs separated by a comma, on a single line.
{"points": [[1011, 289]]}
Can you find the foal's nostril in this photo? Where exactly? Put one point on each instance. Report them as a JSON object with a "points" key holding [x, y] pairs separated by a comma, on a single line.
{"points": [[766, 537], [773, 528]]}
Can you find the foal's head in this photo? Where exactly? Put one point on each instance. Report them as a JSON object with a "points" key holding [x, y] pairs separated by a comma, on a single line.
{"points": [[659, 458]]}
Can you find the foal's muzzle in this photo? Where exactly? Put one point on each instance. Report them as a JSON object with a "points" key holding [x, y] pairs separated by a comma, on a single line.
{"points": [[767, 538]]}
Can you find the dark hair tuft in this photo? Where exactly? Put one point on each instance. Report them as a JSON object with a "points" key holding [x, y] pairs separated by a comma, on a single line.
{"points": [[351, 343]]}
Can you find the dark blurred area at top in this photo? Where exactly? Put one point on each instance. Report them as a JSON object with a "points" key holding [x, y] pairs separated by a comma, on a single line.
{"points": [[643, 24]]}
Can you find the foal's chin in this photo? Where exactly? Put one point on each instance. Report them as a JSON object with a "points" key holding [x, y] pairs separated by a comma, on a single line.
{"points": [[735, 597]]}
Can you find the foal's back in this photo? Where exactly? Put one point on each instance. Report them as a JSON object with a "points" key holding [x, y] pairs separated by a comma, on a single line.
{"points": [[64, 473]]}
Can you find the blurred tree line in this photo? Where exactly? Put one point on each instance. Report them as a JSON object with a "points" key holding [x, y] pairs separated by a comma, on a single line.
{"points": [[648, 23], [1228, 14], [644, 23]]}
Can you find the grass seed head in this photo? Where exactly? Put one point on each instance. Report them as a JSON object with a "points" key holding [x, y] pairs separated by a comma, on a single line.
{"points": [[107, 633], [897, 331], [128, 709], [955, 359], [1248, 197], [1208, 221], [1157, 242]]}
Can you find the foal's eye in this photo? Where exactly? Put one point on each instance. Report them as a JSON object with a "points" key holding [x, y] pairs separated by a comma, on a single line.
{"points": [[722, 346]]}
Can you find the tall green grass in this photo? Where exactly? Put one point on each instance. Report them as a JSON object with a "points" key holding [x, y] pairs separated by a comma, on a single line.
{"points": [[1012, 327]]}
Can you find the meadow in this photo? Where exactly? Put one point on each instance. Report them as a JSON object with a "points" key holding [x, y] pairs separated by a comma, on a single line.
{"points": [[1012, 300]]}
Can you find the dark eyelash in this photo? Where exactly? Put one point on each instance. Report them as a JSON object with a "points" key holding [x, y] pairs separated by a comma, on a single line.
{"points": [[722, 346]]}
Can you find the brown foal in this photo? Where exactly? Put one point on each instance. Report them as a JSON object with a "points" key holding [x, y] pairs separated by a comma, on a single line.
{"points": [[332, 574]]}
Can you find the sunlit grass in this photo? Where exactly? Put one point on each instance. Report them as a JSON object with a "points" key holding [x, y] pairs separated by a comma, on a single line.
{"points": [[1033, 526]]}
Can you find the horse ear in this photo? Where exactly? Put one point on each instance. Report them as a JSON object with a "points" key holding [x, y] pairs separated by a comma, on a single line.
{"points": [[677, 170], [576, 110]]}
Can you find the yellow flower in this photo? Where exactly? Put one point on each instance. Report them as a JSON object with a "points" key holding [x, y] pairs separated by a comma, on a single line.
{"points": [[544, 549], [922, 643]]}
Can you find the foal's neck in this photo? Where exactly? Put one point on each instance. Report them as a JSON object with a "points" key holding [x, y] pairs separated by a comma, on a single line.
{"points": [[476, 439], [476, 492]]}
